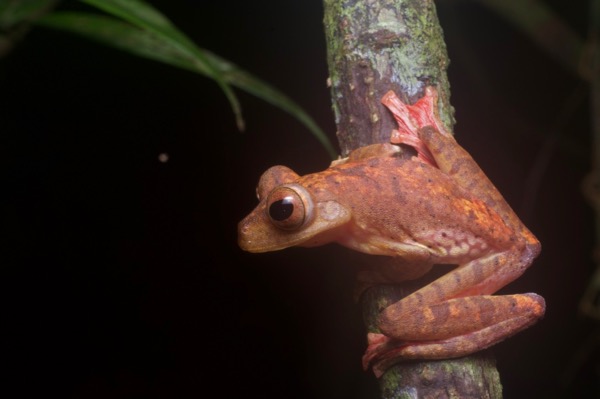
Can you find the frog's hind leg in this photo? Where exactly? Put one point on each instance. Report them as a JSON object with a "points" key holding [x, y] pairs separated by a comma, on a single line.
{"points": [[456, 314], [466, 317], [481, 276], [494, 317], [453, 160]]}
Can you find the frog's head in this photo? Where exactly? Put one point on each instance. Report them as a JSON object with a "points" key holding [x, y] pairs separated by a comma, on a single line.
{"points": [[291, 212]]}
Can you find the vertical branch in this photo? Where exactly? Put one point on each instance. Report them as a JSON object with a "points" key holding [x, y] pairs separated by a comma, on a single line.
{"points": [[374, 46]]}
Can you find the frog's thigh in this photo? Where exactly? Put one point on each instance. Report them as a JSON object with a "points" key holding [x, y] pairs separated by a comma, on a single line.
{"points": [[483, 329], [466, 344], [482, 276], [462, 323]]}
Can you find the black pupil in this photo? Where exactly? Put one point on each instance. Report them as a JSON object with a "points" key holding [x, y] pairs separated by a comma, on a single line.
{"points": [[281, 209]]}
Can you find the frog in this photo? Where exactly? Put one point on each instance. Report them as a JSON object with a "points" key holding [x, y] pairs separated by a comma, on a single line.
{"points": [[436, 207]]}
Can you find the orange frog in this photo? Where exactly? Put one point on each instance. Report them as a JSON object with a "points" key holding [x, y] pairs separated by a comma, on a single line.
{"points": [[437, 208]]}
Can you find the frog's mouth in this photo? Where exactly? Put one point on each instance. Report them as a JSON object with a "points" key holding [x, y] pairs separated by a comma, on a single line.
{"points": [[255, 234]]}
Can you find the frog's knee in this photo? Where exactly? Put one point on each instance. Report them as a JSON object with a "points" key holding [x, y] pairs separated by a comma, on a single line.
{"points": [[532, 249]]}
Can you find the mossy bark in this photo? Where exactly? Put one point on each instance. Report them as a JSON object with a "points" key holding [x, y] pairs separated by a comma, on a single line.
{"points": [[374, 46]]}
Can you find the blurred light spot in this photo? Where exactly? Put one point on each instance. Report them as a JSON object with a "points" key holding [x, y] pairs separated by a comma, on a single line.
{"points": [[163, 157]]}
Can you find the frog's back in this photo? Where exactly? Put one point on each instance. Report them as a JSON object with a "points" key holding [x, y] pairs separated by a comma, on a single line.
{"points": [[397, 202]]}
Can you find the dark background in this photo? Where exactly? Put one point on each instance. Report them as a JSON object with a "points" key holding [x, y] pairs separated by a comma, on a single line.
{"points": [[122, 276]]}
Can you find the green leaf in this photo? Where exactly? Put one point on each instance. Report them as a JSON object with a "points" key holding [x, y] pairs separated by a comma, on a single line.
{"points": [[148, 44], [124, 36], [249, 83], [147, 18]]}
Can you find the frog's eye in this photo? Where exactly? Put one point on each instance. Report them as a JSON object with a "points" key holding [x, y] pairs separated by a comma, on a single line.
{"points": [[288, 207]]}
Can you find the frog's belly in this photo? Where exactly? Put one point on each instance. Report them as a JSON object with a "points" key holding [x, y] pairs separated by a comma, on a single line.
{"points": [[444, 245]]}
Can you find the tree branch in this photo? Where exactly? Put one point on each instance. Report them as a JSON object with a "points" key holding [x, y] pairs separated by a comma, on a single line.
{"points": [[374, 46]]}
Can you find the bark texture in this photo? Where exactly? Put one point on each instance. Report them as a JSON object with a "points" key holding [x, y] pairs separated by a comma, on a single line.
{"points": [[374, 46], [378, 45]]}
